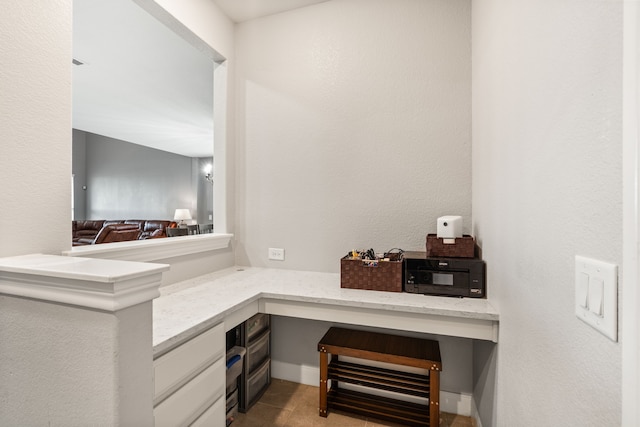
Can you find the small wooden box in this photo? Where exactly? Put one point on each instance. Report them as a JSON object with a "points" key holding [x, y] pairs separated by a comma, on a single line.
{"points": [[375, 276], [464, 247]]}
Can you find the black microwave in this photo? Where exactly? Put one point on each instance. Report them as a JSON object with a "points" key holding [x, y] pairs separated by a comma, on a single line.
{"points": [[461, 277]]}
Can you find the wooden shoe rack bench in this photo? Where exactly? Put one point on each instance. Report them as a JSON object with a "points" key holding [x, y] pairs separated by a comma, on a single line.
{"points": [[398, 350]]}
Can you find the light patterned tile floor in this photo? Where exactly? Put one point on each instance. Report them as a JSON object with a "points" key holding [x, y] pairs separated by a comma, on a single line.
{"points": [[287, 404]]}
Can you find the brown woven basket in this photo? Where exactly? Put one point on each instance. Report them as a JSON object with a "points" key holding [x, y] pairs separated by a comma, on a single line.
{"points": [[464, 247], [357, 274]]}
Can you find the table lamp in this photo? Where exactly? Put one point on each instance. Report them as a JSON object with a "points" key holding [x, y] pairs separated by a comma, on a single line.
{"points": [[181, 215]]}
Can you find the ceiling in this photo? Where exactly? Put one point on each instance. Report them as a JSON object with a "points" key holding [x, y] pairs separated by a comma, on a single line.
{"points": [[140, 82], [244, 10]]}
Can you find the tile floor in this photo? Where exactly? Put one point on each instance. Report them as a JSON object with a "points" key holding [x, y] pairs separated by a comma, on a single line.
{"points": [[287, 404]]}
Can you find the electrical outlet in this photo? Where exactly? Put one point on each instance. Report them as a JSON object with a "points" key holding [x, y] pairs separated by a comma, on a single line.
{"points": [[276, 254]]}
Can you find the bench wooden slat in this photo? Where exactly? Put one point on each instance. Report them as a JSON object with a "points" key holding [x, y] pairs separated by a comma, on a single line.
{"points": [[398, 350], [397, 381], [398, 411]]}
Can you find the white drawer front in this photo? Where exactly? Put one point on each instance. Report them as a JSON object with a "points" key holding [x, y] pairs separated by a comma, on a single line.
{"points": [[175, 367], [186, 404], [214, 416]]}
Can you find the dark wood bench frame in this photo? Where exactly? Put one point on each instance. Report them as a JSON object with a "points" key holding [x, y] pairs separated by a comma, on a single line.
{"points": [[398, 350]]}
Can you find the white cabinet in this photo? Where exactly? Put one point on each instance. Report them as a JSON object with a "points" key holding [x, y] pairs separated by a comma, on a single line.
{"points": [[212, 416], [189, 382]]}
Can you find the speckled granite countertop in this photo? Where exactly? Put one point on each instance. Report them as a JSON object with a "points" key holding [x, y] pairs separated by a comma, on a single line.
{"points": [[188, 307]]}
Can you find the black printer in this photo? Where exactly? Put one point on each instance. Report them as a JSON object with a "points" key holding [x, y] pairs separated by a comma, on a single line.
{"points": [[461, 277]]}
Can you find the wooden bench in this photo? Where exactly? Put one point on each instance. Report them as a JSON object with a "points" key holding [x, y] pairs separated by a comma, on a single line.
{"points": [[398, 350]]}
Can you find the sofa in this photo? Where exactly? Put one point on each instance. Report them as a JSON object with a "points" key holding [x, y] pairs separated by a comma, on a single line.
{"points": [[92, 232]]}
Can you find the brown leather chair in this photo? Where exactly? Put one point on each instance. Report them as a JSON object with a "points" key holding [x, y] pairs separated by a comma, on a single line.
{"points": [[86, 230], [155, 228], [117, 233]]}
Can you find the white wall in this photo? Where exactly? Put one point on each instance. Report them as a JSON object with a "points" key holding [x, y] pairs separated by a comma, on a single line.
{"points": [[54, 373], [353, 131], [353, 128], [294, 353], [35, 127], [630, 315], [204, 25], [57, 385], [547, 185]]}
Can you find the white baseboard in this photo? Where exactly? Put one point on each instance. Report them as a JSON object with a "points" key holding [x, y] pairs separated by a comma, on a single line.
{"points": [[474, 413], [301, 374], [454, 403]]}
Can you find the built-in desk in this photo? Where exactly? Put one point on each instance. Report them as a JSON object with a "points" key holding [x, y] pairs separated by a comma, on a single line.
{"points": [[104, 308], [187, 310], [233, 295]]}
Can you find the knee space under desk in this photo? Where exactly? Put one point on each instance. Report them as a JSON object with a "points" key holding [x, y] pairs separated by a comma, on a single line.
{"points": [[398, 350]]}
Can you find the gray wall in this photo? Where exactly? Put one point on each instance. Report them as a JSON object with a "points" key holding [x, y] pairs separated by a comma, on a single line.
{"points": [[129, 181], [204, 188]]}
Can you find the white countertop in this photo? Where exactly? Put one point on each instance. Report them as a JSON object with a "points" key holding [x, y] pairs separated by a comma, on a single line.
{"points": [[62, 267], [110, 285], [186, 308]]}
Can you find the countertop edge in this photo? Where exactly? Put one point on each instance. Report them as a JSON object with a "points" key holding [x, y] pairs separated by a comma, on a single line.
{"points": [[256, 284]]}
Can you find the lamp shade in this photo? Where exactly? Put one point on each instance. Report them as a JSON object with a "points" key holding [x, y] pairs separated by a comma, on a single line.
{"points": [[182, 214]]}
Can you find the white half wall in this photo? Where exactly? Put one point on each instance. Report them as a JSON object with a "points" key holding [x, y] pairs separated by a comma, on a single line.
{"points": [[353, 128], [547, 185]]}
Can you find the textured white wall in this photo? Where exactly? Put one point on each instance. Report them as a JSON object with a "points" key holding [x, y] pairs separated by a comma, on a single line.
{"points": [[204, 25], [353, 131], [294, 342], [64, 366], [35, 127], [57, 364], [56, 367], [547, 185], [353, 128], [202, 18]]}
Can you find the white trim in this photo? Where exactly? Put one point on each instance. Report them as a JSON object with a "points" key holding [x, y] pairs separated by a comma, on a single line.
{"points": [[153, 249], [98, 284], [456, 403], [220, 158], [408, 321], [475, 414], [631, 217], [300, 374]]}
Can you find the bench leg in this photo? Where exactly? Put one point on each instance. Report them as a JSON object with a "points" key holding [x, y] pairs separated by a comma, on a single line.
{"points": [[324, 377], [434, 398]]}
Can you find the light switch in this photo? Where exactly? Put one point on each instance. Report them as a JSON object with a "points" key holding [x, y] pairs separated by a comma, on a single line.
{"points": [[596, 298], [582, 289], [596, 288]]}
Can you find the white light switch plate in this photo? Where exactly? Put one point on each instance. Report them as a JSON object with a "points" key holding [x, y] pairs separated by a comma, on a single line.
{"points": [[597, 286]]}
